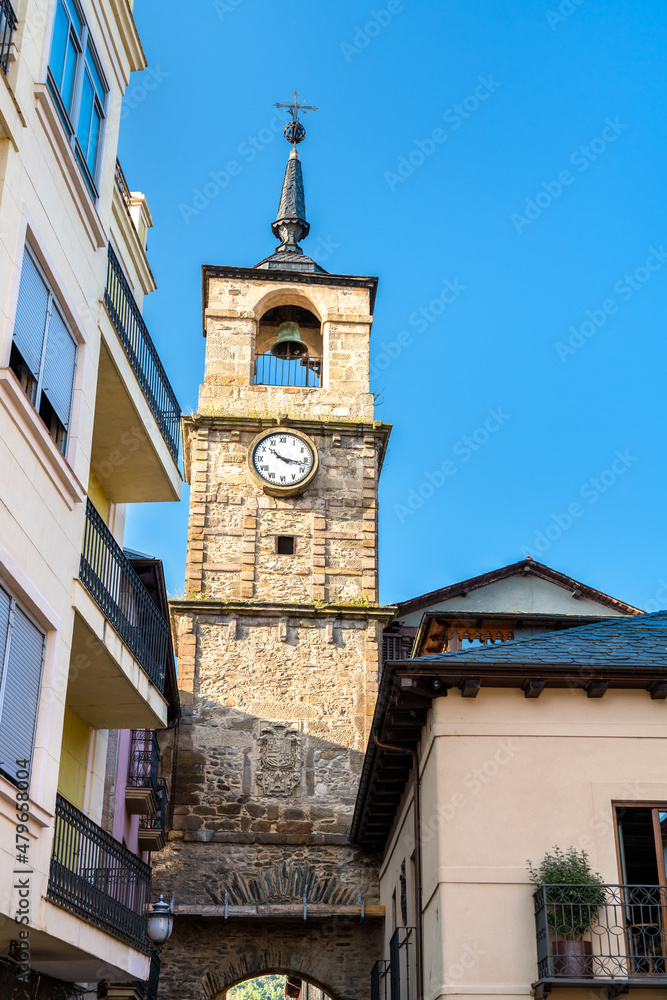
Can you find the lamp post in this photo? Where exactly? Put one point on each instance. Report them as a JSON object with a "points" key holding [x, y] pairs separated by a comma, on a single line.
{"points": [[160, 922]]}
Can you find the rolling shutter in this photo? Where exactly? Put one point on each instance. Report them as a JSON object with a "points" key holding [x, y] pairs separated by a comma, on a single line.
{"points": [[31, 311], [20, 688], [59, 364], [4, 626]]}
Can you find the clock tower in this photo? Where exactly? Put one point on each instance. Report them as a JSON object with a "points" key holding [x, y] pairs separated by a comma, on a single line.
{"points": [[279, 633]]}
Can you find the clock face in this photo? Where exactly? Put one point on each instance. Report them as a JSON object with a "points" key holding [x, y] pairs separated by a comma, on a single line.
{"points": [[282, 459]]}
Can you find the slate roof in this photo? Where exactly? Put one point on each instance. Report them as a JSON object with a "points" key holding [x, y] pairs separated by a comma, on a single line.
{"points": [[623, 642]]}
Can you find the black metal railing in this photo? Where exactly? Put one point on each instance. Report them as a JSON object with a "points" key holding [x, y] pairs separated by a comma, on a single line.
{"points": [[126, 604], [144, 759], [380, 980], [123, 186], [609, 932], [157, 821], [301, 372], [141, 352], [97, 877], [8, 24], [400, 973]]}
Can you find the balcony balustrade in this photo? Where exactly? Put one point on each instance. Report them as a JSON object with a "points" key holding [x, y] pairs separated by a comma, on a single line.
{"points": [[302, 372], [98, 878], [393, 979], [153, 828], [612, 935], [142, 355], [8, 24], [123, 186], [121, 596], [141, 791]]}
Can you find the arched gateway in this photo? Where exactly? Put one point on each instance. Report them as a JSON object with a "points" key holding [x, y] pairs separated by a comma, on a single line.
{"points": [[279, 633]]}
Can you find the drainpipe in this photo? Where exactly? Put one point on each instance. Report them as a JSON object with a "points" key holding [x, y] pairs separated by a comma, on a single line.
{"points": [[419, 959]]}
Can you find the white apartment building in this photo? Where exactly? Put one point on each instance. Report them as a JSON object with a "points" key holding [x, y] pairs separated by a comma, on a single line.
{"points": [[88, 424]]}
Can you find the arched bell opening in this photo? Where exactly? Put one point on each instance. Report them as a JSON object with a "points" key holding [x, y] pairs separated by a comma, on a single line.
{"points": [[288, 348]]}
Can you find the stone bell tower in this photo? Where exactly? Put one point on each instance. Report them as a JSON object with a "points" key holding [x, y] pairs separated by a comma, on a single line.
{"points": [[279, 632]]}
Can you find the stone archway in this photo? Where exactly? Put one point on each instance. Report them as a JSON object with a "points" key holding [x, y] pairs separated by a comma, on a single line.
{"points": [[335, 955]]}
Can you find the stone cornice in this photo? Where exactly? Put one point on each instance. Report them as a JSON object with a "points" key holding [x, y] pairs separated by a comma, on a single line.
{"points": [[255, 424], [272, 609]]}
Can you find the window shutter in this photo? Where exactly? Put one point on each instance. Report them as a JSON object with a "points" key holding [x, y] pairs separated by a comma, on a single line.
{"points": [[20, 693], [4, 626], [31, 314], [59, 364]]}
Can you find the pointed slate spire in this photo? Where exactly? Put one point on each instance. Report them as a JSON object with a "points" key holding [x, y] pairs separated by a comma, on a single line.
{"points": [[291, 226]]}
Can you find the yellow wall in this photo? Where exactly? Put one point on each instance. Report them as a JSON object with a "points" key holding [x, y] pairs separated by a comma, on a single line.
{"points": [[74, 758], [98, 497]]}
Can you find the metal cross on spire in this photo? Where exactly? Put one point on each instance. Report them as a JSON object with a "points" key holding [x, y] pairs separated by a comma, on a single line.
{"points": [[294, 131]]}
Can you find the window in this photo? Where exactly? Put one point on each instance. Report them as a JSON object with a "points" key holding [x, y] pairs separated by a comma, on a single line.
{"points": [[43, 356], [21, 659], [285, 545], [78, 87], [642, 841]]}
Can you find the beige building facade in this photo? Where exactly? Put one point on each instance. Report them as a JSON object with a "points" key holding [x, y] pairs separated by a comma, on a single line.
{"points": [[518, 747], [88, 424]]}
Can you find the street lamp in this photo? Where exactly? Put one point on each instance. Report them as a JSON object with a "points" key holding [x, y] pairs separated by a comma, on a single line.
{"points": [[160, 922]]}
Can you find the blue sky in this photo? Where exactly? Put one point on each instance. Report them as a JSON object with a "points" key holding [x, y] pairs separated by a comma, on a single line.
{"points": [[500, 165]]}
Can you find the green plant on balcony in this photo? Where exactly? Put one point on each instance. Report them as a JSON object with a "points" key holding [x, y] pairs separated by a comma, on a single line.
{"points": [[574, 892]]}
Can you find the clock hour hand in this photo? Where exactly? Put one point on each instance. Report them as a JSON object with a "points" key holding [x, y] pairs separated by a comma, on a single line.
{"points": [[290, 461]]}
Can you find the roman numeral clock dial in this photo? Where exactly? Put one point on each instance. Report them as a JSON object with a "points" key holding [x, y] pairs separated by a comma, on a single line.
{"points": [[282, 462]]}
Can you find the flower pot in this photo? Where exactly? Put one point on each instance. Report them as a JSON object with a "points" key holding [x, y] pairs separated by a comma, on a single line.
{"points": [[572, 958]]}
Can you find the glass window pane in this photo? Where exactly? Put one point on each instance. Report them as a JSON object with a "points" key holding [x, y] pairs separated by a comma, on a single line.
{"points": [[94, 141], [59, 44], [91, 66], [85, 112], [73, 12], [68, 76]]}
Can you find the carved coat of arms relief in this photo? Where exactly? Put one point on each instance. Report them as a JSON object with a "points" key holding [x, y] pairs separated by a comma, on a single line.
{"points": [[278, 759]]}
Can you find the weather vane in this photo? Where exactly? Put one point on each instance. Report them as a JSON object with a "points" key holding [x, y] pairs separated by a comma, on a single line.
{"points": [[294, 131]]}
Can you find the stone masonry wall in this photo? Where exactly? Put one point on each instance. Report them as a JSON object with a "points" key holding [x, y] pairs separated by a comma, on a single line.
{"points": [[276, 728], [233, 524]]}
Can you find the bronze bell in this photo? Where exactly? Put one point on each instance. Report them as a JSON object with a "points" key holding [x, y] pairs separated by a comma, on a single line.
{"points": [[289, 343]]}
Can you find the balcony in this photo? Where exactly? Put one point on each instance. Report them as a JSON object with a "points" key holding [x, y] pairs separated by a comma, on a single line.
{"points": [[141, 791], [139, 347], [97, 878], [146, 990], [153, 829], [120, 642], [616, 944], [136, 432], [8, 24]]}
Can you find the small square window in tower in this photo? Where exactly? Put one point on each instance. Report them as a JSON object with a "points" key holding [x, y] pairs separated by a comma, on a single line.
{"points": [[285, 545]]}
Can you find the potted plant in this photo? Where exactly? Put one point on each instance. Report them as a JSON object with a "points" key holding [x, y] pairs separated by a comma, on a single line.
{"points": [[572, 894]]}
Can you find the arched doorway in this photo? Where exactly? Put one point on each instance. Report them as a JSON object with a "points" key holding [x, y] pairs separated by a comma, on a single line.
{"points": [[276, 986]]}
